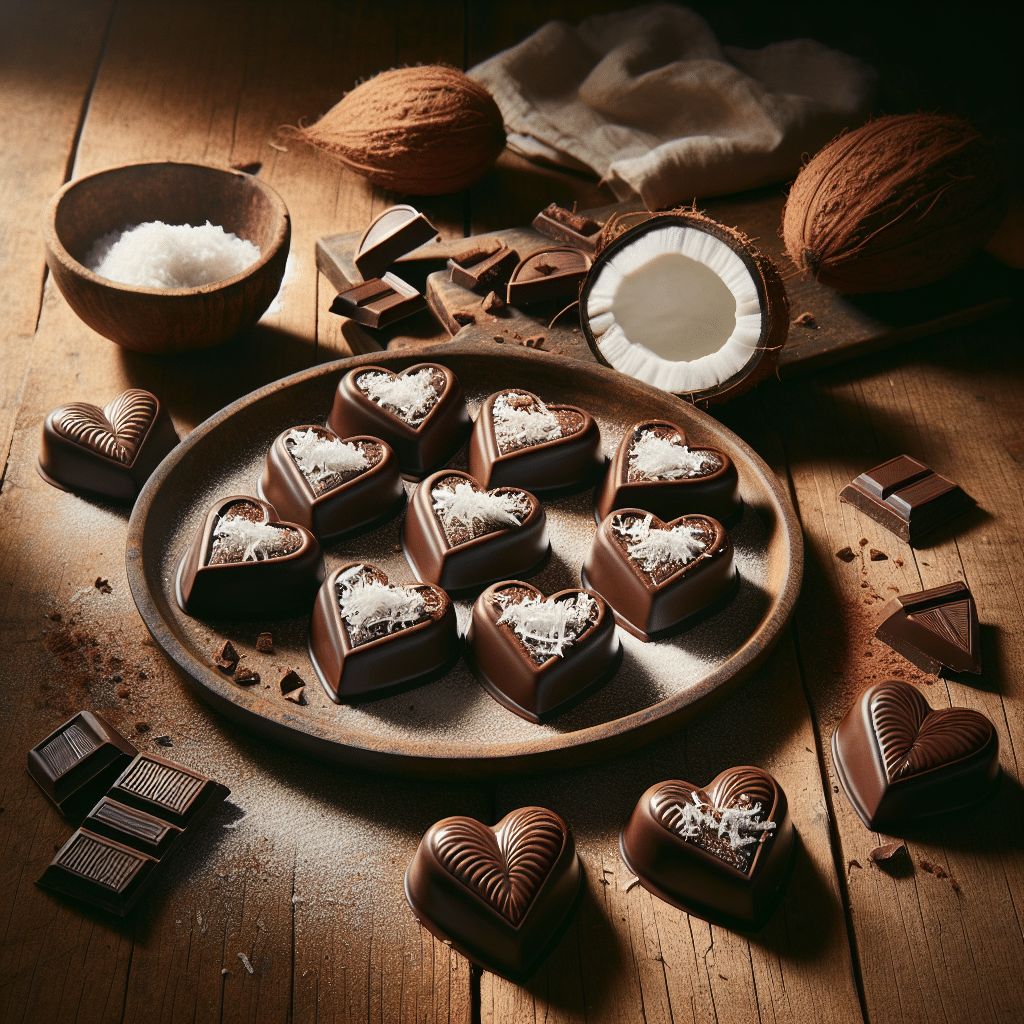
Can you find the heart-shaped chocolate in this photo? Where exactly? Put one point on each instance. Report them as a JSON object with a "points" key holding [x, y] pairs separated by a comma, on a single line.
{"points": [[518, 441], [655, 468], [420, 412], [458, 535], [501, 896], [539, 656], [110, 451], [720, 853], [330, 485], [245, 561], [657, 575], [370, 639], [899, 760]]}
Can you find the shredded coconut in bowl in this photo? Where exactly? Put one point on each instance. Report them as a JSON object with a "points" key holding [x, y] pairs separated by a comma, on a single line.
{"points": [[159, 255]]}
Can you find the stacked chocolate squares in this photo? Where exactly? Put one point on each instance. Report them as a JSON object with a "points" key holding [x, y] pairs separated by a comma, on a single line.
{"points": [[135, 811]]}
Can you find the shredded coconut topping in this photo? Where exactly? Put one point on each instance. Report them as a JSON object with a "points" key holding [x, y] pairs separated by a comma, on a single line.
{"points": [[517, 423], [546, 628], [667, 458], [741, 825], [242, 540], [464, 505], [411, 397], [652, 548], [369, 606], [320, 457]]}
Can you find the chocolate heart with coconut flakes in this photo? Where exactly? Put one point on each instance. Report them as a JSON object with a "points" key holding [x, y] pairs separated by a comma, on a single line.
{"points": [[420, 412], [244, 560], [501, 896], [538, 656], [720, 852], [655, 468], [900, 760], [369, 638], [458, 535]]}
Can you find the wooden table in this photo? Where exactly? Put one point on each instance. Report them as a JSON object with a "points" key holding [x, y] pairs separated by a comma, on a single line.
{"points": [[290, 906]]}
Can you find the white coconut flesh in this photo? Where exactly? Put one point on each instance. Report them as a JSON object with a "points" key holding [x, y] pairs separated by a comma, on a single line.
{"points": [[676, 308]]}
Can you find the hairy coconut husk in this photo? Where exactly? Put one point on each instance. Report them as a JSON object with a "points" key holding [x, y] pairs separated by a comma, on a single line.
{"points": [[899, 203], [770, 286], [424, 130]]}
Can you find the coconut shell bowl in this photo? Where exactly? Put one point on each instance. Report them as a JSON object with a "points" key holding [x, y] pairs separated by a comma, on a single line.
{"points": [[161, 320]]}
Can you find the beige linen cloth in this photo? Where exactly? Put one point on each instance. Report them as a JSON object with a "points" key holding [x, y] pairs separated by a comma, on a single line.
{"points": [[649, 100]]}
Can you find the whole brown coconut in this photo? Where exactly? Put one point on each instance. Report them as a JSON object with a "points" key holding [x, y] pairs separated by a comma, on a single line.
{"points": [[899, 203], [424, 131]]}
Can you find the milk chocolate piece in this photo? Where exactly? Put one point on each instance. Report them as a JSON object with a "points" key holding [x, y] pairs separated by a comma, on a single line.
{"points": [[328, 484], [457, 535], [555, 273], [567, 226], [900, 762], [719, 853], [518, 441], [167, 790], [502, 896], [75, 764], [484, 271], [110, 451], [393, 233], [420, 412], [540, 656], [379, 301], [132, 827], [659, 576], [655, 469], [231, 570], [934, 629], [369, 639], [906, 497]]}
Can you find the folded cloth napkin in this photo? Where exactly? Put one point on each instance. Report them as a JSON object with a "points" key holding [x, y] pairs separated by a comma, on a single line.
{"points": [[649, 100]]}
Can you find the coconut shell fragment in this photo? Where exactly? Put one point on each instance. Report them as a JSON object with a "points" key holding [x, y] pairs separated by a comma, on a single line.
{"points": [[898, 203]]}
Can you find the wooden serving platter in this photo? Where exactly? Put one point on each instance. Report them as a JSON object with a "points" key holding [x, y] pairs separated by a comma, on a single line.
{"points": [[452, 727]]}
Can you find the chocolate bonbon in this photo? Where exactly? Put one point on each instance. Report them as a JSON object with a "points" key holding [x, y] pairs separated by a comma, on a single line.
{"points": [[656, 469], [657, 575], [540, 655], [458, 535], [328, 484], [420, 412], [567, 226], [720, 853], [76, 763], [553, 273], [110, 451], [518, 441], [396, 231], [245, 561], [936, 628], [900, 761], [368, 638], [906, 497], [501, 896]]}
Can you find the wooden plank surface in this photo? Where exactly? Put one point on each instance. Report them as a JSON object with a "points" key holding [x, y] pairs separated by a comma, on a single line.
{"points": [[300, 873]]}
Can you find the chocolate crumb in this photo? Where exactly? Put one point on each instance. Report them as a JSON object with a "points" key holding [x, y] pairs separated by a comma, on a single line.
{"points": [[265, 643], [142, 726], [103, 586], [534, 341], [397, 548], [226, 657], [845, 554], [863, 541], [854, 864], [463, 317], [898, 562], [290, 680], [295, 696], [246, 677], [892, 858], [56, 617], [878, 556], [165, 741], [124, 694], [143, 674], [806, 320], [493, 301]]}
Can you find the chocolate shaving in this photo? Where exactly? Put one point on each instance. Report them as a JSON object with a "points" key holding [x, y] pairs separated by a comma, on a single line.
{"points": [[265, 643], [103, 586]]}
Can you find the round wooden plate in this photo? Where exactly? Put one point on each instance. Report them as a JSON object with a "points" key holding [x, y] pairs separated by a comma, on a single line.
{"points": [[452, 727]]}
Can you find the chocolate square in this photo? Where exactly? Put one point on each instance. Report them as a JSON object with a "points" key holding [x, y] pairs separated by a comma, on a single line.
{"points": [[130, 827], [166, 790], [379, 301]]}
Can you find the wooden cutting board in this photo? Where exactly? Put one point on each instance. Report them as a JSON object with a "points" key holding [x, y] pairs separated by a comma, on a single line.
{"points": [[843, 326]]}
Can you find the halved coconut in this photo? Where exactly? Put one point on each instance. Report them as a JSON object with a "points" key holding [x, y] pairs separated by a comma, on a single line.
{"points": [[686, 304]]}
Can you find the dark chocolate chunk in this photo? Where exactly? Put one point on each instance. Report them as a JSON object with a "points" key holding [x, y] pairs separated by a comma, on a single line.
{"points": [[484, 271], [719, 853], [657, 575], [292, 686], [226, 658], [906, 497], [131, 827], [934, 628], [246, 677], [568, 226], [845, 554], [265, 643], [458, 535], [393, 233], [379, 301], [540, 656], [892, 858], [899, 761], [502, 896], [75, 764], [555, 273], [166, 790], [110, 451]]}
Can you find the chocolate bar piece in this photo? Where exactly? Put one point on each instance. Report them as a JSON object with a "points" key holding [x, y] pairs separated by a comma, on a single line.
{"points": [[566, 226], [75, 764], [379, 301], [482, 270], [906, 497], [393, 233], [131, 827], [934, 628], [900, 761], [167, 790], [554, 273]]}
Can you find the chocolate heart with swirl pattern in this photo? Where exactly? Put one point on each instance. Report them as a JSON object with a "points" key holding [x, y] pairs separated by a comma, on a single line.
{"points": [[501, 896]]}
